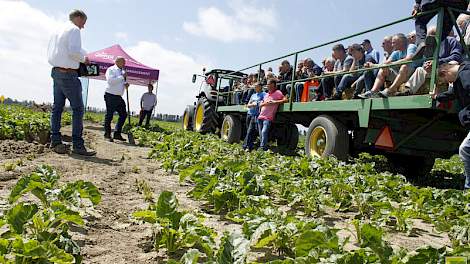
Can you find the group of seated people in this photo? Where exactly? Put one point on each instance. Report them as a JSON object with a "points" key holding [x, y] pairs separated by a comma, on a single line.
{"points": [[343, 75]]}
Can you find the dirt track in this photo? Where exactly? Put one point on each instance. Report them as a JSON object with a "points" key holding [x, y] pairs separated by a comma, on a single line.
{"points": [[111, 235]]}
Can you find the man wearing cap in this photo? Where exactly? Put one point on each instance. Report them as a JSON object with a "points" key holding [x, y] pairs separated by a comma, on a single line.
{"points": [[116, 80], [369, 50], [65, 55]]}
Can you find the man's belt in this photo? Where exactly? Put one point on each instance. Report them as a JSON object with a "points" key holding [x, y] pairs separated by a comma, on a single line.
{"points": [[66, 70]]}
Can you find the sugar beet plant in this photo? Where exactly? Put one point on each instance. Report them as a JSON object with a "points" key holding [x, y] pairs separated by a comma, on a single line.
{"points": [[21, 123], [243, 186], [37, 230]]}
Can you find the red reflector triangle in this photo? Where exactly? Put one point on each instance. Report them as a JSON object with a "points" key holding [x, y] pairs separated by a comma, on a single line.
{"points": [[385, 139]]}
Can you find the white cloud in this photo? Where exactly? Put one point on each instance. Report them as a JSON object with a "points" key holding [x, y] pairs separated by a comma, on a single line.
{"points": [[121, 35], [246, 21], [25, 72]]}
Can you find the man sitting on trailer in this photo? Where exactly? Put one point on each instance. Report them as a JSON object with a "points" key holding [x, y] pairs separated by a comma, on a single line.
{"points": [[459, 76], [325, 83], [359, 59], [285, 75], [342, 64], [463, 21], [309, 69], [450, 50], [268, 110], [411, 37], [387, 46], [402, 52]]}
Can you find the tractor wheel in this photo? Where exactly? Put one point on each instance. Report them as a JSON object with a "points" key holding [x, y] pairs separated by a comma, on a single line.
{"points": [[231, 129], [205, 116], [288, 138], [325, 137], [188, 118]]}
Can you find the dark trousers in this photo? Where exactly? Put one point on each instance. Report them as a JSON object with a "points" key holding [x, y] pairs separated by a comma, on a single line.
{"points": [[145, 114], [114, 103], [326, 88], [67, 86], [422, 21], [251, 131]]}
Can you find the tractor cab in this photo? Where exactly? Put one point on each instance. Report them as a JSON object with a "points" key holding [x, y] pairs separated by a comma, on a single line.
{"points": [[217, 80]]}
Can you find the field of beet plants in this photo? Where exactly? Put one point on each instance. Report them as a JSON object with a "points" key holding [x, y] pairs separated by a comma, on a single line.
{"points": [[284, 205], [281, 202]]}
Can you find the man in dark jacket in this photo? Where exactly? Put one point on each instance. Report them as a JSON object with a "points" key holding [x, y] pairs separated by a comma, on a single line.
{"points": [[459, 75], [427, 5], [285, 75]]}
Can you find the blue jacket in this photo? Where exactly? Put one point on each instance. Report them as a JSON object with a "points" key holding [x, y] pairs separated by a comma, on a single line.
{"points": [[451, 50]]}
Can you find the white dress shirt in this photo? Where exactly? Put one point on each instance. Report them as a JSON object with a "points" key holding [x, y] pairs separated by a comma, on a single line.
{"points": [[148, 101], [116, 81], [65, 48]]}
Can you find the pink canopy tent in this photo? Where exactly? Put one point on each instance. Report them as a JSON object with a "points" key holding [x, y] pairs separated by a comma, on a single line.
{"points": [[137, 73]]}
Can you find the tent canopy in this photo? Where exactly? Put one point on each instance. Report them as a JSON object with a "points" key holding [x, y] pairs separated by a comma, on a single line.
{"points": [[137, 73]]}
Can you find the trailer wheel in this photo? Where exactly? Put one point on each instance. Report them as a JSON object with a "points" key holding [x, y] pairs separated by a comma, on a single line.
{"points": [[288, 138], [412, 166], [205, 116], [231, 129], [325, 137], [188, 118]]}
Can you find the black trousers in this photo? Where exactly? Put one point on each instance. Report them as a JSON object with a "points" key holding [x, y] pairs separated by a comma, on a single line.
{"points": [[422, 21], [327, 86], [114, 103], [144, 114]]}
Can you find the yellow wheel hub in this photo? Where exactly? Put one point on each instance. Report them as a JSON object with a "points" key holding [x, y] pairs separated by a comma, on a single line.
{"points": [[318, 140], [199, 117], [225, 130], [185, 121]]}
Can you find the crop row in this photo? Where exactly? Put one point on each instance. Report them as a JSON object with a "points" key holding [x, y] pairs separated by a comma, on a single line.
{"points": [[250, 189], [36, 230], [21, 123]]}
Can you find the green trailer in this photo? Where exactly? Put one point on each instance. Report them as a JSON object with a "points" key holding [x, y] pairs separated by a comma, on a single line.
{"points": [[410, 130]]}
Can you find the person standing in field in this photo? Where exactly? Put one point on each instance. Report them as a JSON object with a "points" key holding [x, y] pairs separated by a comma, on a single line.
{"points": [[252, 116], [459, 76], [116, 79], [65, 55], [147, 103], [268, 110]]}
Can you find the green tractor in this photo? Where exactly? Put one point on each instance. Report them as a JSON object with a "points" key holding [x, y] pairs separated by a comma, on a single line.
{"points": [[202, 116]]}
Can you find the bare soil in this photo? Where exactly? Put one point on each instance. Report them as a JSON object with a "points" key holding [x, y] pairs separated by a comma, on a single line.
{"points": [[110, 234]]}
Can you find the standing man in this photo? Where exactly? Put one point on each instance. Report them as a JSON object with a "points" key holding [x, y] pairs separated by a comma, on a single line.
{"points": [[268, 110], [369, 50], [65, 55], [116, 78], [252, 116], [147, 103], [422, 21], [459, 75]]}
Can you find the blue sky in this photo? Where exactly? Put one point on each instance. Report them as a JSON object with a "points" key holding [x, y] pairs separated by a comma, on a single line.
{"points": [[224, 34]]}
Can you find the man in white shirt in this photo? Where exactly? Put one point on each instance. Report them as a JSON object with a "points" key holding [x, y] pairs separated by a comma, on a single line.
{"points": [[147, 103], [116, 78], [65, 55]]}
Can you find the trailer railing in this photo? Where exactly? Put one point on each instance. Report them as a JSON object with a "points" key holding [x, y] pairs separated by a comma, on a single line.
{"points": [[440, 15]]}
